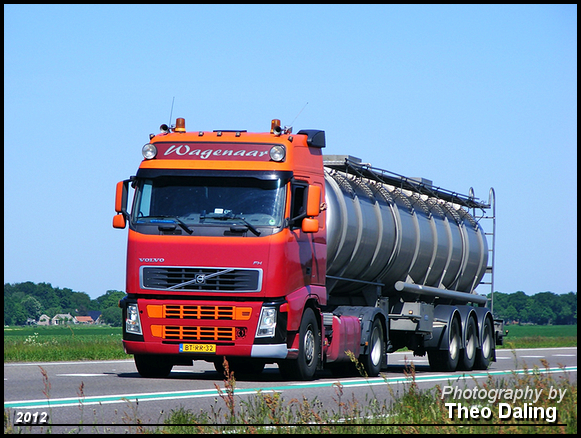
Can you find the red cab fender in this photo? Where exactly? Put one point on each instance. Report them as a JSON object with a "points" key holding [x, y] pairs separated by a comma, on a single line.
{"points": [[296, 301]]}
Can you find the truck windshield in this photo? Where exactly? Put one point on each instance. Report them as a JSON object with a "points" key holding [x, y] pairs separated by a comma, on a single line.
{"points": [[188, 201]]}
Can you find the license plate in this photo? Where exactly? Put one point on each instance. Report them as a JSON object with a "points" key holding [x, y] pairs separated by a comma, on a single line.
{"points": [[197, 348]]}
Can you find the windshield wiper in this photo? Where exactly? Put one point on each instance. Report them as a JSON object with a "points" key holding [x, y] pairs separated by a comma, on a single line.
{"points": [[180, 222], [228, 216]]}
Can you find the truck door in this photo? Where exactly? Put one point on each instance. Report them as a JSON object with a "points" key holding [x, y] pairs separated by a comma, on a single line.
{"points": [[311, 248], [303, 240]]}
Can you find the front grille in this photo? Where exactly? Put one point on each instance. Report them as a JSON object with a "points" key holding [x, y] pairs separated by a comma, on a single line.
{"points": [[194, 311], [199, 333], [201, 279], [199, 312]]}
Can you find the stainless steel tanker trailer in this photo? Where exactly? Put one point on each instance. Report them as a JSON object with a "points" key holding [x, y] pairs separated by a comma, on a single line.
{"points": [[404, 259]]}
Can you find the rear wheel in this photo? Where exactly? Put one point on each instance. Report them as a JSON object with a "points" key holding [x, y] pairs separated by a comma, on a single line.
{"points": [[468, 355], [485, 353], [152, 365], [447, 360]]}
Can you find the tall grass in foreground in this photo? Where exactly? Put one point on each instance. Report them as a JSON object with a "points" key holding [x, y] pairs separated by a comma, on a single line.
{"points": [[410, 410]]}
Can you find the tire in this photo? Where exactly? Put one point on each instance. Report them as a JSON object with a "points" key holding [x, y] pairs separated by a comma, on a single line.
{"points": [[372, 360], [305, 366], [447, 360], [468, 353], [219, 367], [288, 369], [485, 353], [152, 366]]}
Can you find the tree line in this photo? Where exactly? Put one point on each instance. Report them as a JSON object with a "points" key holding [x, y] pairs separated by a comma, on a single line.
{"points": [[24, 301], [541, 308], [28, 301]]}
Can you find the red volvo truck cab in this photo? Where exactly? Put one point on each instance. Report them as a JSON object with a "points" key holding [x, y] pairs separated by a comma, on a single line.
{"points": [[226, 249]]}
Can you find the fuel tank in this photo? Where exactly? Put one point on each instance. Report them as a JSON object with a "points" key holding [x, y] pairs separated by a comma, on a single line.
{"points": [[381, 233]]}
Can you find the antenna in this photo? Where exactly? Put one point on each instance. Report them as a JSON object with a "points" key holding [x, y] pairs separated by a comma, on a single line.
{"points": [[171, 111], [299, 113]]}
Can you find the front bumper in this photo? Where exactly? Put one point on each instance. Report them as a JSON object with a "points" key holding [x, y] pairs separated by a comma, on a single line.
{"points": [[228, 328]]}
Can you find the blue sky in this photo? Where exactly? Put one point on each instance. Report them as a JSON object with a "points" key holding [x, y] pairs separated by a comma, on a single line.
{"points": [[467, 96]]}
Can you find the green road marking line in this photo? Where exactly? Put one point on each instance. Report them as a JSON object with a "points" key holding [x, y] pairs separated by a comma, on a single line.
{"points": [[108, 399]]}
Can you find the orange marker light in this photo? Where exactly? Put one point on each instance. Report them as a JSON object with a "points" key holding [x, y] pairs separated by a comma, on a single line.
{"points": [[275, 126], [180, 125]]}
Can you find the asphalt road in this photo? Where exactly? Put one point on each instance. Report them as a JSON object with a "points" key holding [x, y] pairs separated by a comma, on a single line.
{"points": [[111, 395]]}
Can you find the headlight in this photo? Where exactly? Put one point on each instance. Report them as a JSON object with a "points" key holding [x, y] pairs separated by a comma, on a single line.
{"points": [[149, 151], [277, 153], [132, 321], [266, 323]]}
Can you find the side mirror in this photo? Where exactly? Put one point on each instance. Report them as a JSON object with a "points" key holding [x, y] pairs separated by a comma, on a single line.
{"points": [[120, 204], [310, 225], [121, 197], [314, 201], [119, 221]]}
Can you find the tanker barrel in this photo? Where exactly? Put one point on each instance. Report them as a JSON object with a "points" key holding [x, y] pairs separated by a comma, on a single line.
{"points": [[381, 231], [434, 292]]}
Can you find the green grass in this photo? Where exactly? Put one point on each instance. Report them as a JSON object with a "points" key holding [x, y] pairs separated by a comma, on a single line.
{"points": [[540, 336], [59, 343], [549, 331], [67, 330]]}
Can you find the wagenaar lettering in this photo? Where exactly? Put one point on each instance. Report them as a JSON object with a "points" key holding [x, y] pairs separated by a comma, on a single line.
{"points": [[184, 149]]}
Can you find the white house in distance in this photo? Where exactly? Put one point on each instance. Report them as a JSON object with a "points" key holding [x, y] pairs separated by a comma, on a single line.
{"points": [[44, 320], [94, 317], [63, 318]]}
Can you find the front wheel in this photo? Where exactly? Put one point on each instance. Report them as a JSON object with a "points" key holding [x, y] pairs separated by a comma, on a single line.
{"points": [[152, 365], [305, 366]]}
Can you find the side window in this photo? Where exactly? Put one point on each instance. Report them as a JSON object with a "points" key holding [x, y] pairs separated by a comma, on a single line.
{"points": [[299, 203], [142, 201]]}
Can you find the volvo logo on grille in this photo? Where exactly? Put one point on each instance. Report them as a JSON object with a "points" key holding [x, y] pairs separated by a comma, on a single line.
{"points": [[200, 279]]}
